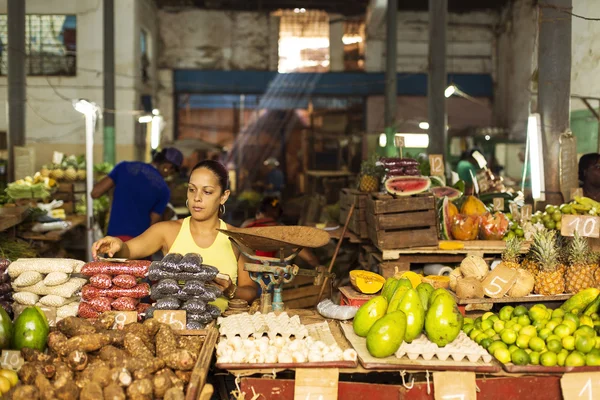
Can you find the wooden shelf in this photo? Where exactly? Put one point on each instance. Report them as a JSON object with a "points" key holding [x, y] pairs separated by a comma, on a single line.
{"points": [[534, 298], [470, 247], [11, 216], [55, 236]]}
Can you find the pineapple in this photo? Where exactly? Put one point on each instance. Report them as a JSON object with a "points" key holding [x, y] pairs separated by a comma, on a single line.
{"points": [[583, 263], [370, 174], [510, 256], [550, 278], [530, 265]]}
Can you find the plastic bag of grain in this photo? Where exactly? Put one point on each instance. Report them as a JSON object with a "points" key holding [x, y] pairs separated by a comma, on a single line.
{"points": [[43, 266]]}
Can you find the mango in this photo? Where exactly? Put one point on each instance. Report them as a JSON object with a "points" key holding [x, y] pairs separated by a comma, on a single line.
{"points": [[415, 315], [581, 300], [425, 291], [386, 335], [368, 314], [443, 320], [389, 287], [399, 294]]}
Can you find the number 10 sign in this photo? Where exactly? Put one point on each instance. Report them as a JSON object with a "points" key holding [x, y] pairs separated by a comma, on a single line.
{"points": [[584, 225]]}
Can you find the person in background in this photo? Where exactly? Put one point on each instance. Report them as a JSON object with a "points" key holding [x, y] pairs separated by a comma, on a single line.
{"points": [[589, 175], [141, 194], [275, 179], [467, 168]]}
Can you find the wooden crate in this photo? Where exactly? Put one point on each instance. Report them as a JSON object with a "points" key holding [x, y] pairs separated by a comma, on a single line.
{"points": [[353, 196], [396, 223], [350, 297], [303, 293], [358, 221], [197, 385]]}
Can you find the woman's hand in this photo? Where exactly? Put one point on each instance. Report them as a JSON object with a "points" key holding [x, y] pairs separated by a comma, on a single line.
{"points": [[223, 283], [108, 245]]}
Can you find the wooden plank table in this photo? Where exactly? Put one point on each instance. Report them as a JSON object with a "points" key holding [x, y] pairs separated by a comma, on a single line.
{"points": [[534, 298], [11, 216], [55, 236], [479, 247]]}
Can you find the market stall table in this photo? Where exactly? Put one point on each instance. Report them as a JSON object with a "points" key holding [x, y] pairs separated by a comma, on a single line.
{"points": [[55, 236], [12, 216]]}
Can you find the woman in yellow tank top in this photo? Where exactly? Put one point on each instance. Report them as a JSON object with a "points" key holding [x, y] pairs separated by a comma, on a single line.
{"points": [[207, 194]]}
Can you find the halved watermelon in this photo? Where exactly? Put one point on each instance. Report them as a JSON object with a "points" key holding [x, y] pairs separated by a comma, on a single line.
{"points": [[447, 213], [407, 185], [445, 191]]}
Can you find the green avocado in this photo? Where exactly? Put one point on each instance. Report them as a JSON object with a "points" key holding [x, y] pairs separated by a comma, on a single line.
{"points": [[6, 330], [30, 330]]}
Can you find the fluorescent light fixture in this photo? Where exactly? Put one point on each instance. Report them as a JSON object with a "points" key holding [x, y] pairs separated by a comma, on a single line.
{"points": [[424, 125], [382, 140], [351, 39], [155, 111], [415, 140], [155, 130], [144, 119], [534, 143], [487, 137], [85, 107], [450, 90]]}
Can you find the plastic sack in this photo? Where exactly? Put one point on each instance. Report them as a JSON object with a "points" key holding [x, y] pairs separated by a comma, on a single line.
{"points": [[213, 311], [171, 262], [207, 273], [333, 311], [137, 292], [137, 268], [149, 312], [100, 304], [194, 306], [193, 325], [101, 281], [124, 281], [204, 295], [191, 262], [214, 289], [125, 304], [193, 288], [141, 308], [165, 287], [201, 318], [87, 311], [167, 303], [493, 227]]}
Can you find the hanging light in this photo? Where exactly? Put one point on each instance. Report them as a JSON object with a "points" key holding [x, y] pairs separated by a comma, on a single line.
{"points": [[424, 125], [450, 90]]}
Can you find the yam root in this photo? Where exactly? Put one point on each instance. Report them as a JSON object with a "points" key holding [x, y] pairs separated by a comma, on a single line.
{"points": [[114, 392], [174, 393], [112, 355], [73, 326], [87, 343], [68, 391], [181, 360], [92, 391], [77, 360], [161, 383], [104, 321], [141, 331], [149, 364], [34, 355], [185, 376], [136, 347], [57, 342], [102, 376], [28, 392], [190, 343], [152, 326], [121, 376], [175, 381], [166, 343], [44, 387], [63, 375], [140, 390], [29, 371]]}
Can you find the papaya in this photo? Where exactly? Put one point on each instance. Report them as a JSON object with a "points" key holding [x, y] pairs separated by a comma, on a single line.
{"points": [[580, 300], [593, 307], [368, 314], [472, 206], [30, 330], [386, 335], [413, 277], [425, 290], [389, 287], [398, 295], [415, 315], [439, 292], [443, 320], [6, 330]]}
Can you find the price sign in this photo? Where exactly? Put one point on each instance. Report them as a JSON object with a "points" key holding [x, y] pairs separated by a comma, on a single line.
{"points": [[175, 318], [499, 203], [11, 359], [576, 192], [584, 225], [526, 212], [316, 384], [498, 282], [436, 164], [580, 386], [399, 141], [123, 318], [454, 386]]}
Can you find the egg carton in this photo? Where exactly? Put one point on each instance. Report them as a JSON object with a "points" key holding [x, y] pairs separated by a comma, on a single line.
{"points": [[462, 347], [257, 325]]}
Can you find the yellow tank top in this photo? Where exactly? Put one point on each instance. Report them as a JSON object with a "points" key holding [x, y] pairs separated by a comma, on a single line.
{"points": [[220, 254]]}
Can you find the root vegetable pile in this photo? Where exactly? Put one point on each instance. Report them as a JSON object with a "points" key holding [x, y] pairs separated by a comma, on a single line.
{"points": [[113, 286], [88, 361], [181, 284], [6, 291]]}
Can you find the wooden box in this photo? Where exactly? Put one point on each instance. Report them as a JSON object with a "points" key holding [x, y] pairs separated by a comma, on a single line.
{"points": [[401, 222], [350, 297], [358, 221]]}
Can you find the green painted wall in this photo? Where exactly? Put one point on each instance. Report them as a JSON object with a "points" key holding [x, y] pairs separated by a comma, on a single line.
{"points": [[585, 128]]}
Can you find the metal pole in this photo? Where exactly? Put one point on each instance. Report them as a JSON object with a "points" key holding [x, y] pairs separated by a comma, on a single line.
{"points": [[391, 55], [109, 81], [16, 81], [554, 87], [437, 78], [90, 127]]}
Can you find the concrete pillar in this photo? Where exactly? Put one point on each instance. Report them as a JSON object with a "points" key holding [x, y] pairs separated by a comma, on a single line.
{"points": [[336, 46], [554, 88], [437, 79]]}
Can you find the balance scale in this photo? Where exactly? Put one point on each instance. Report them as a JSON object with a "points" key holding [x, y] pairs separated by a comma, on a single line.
{"points": [[273, 273]]}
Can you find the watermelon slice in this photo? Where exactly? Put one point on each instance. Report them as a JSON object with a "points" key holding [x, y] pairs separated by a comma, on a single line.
{"points": [[407, 185], [447, 213], [445, 191]]}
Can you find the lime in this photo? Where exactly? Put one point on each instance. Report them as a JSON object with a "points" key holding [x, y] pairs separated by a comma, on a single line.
{"points": [[597, 345], [467, 321], [519, 232], [512, 348], [595, 317], [550, 224], [534, 358], [554, 346], [592, 360], [550, 209], [584, 320], [548, 359], [524, 320], [514, 226], [528, 350], [553, 337], [565, 208], [509, 324], [487, 315], [480, 337], [468, 328], [523, 341], [520, 310], [546, 218], [536, 344], [572, 326], [575, 359], [494, 318], [520, 357], [509, 235], [486, 324], [502, 355], [584, 344], [538, 325], [528, 330], [562, 330], [558, 225], [485, 343], [537, 313], [517, 327], [558, 313], [552, 324], [498, 344], [535, 219], [490, 332], [571, 317], [478, 322], [473, 334], [556, 216], [585, 330], [508, 336], [506, 313], [509, 216], [496, 337], [498, 326], [560, 358], [544, 333], [568, 343]]}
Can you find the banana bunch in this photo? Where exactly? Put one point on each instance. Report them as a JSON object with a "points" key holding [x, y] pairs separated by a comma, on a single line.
{"points": [[585, 205]]}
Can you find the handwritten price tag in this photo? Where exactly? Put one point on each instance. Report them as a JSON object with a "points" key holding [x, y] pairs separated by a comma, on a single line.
{"points": [[316, 384], [580, 385], [499, 203], [526, 212], [584, 225], [399, 141], [454, 386], [436, 164], [11, 359], [498, 282], [175, 318], [123, 318]]}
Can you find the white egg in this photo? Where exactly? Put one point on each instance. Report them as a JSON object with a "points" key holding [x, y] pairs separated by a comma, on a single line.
{"points": [[350, 355], [271, 358], [263, 339], [239, 356], [298, 357], [296, 345], [224, 359], [236, 342], [222, 347], [315, 357], [262, 346], [320, 345], [330, 357], [249, 344], [285, 358], [279, 341]]}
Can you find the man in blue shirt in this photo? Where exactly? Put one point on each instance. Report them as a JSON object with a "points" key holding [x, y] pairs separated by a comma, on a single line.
{"points": [[141, 193], [275, 178]]}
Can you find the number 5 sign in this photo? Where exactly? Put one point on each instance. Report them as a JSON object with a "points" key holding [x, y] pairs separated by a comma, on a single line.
{"points": [[584, 225], [498, 282]]}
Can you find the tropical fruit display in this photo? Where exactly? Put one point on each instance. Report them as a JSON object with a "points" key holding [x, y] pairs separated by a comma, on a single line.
{"points": [[567, 336], [583, 263], [551, 217], [550, 279], [409, 313], [31, 330], [407, 185], [366, 282], [370, 176]]}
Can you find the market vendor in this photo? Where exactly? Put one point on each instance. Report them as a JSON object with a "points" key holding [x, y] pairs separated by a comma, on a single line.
{"points": [[589, 175], [206, 197], [467, 168], [275, 181], [141, 194]]}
